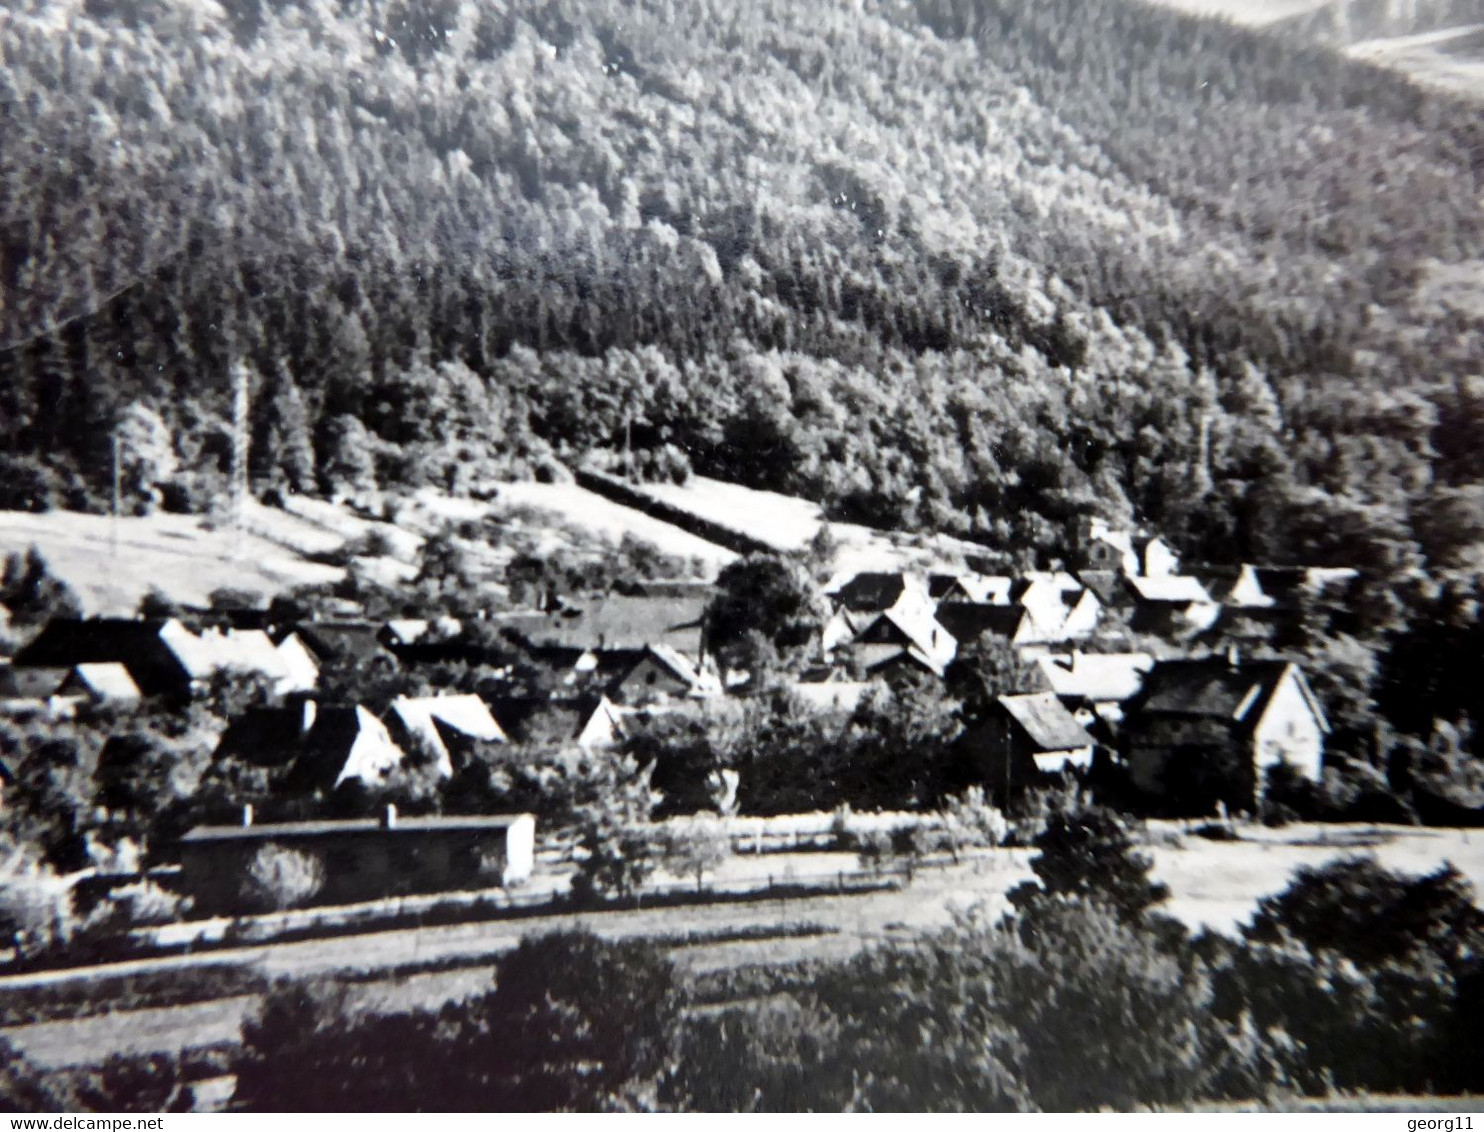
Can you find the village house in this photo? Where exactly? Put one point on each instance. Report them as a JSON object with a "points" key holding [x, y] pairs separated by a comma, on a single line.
{"points": [[1062, 608], [911, 631], [659, 672], [1133, 555], [1094, 686], [980, 589], [344, 744], [1170, 605], [316, 747], [1022, 738], [559, 638], [446, 727], [162, 656], [877, 592], [1205, 731], [589, 722], [362, 860], [967, 622]]}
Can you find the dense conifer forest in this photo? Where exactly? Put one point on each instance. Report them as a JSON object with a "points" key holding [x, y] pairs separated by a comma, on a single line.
{"points": [[982, 266]]}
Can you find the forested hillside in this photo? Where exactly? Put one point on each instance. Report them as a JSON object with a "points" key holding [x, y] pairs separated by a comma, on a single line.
{"points": [[975, 265]]}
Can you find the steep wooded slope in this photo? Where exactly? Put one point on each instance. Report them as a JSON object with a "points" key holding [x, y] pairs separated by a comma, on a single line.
{"points": [[982, 266]]}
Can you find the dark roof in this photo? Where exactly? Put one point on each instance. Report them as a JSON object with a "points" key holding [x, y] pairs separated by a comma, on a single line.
{"points": [[342, 640], [1043, 719], [532, 719], [1214, 688], [324, 751], [265, 736], [21, 683], [1106, 584], [968, 621], [872, 592], [617, 621], [279, 830], [137, 644]]}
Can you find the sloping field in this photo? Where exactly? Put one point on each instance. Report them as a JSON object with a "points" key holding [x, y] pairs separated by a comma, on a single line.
{"points": [[1452, 58], [585, 509], [177, 553], [789, 524], [1254, 13]]}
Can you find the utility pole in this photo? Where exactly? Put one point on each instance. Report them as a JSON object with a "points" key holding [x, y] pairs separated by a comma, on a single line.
{"points": [[628, 440], [238, 501], [113, 523]]}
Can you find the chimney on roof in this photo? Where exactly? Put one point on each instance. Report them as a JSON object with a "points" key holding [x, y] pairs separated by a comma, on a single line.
{"points": [[389, 818], [309, 713], [1233, 656], [247, 815]]}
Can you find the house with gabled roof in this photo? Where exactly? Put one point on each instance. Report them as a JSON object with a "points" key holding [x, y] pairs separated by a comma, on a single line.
{"points": [[913, 629], [877, 591], [1094, 686], [445, 726], [1206, 730], [661, 672], [1063, 608], [1171, 605], [590, 722], [1020, 739], [980, 589], [301, 669], [150, 648], [614, 621], [343, 642], [344, 744], [967, 622], [1130, 553]]}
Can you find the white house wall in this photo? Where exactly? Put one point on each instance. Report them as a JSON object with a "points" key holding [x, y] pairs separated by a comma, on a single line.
{"points": [[1289, 732]]}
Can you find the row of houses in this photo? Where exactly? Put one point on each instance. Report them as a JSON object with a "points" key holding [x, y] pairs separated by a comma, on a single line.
{"points": [[1188, 729], [883, 622]]}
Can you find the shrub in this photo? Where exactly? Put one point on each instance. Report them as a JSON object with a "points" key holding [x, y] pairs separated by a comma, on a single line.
{"points": [[1089, 854], [26, 484], [24, 1087], [33, 593], [697, 846], [279, 878], [574, 1022]]}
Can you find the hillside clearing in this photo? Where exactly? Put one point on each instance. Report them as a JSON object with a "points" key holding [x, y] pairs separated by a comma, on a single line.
{"points": [[178, 554], [788, 524]]}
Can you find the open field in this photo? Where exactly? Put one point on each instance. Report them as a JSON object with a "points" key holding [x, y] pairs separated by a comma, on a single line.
{"points": [[582, 508], [189, 556], [177, 553], [1254, 13], [1451, 58], [1215, 885], [789, 523]]}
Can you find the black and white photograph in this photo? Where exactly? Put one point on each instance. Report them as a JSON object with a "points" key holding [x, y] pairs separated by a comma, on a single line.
{"points": [[734, 556]]}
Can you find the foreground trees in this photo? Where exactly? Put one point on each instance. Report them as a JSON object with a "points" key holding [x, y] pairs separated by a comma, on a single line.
{"points": [[1085, 998]]}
